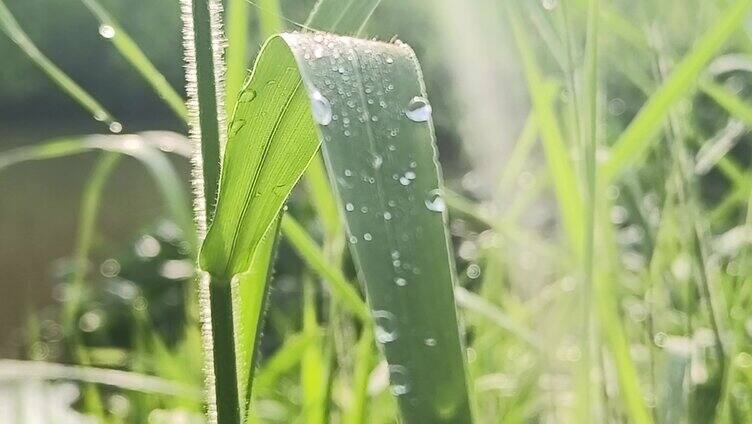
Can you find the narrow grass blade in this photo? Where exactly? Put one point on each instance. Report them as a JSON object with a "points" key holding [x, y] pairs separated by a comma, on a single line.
{"points": [[364, 361], [250, 293], [202, 43], [237, 50], [313, 365], [522, 148], [13, 370], [316, 260], [557, 153], [10, 26], [284, 360], [589, 399], [341, 16], [728, 100], [714, 150], [111, 30], [477, 304], [270, 17], [90, 203], [638, 136]]}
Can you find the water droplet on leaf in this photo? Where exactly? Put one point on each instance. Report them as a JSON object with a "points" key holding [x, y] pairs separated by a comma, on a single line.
{"points": [[115, 127], [386, 327], [434, 201], [321, 108], [106, 31], [419, 110], [399, 380]]}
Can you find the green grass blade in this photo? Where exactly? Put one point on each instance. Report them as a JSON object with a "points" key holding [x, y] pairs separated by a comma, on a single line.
{"points": [[316, 260], [250, 294], [13, 30], [589, 400], [111, 30], [364, 361], [322, 199], [272, 140], [341, 16], [270, 17], [556, 150], [237, 50], [13, 370], [728, 100], [388, 190], [313, 367], [638, 136], [518, 158], [284, 360], [479, 305], [202, 42], [76, 291]]}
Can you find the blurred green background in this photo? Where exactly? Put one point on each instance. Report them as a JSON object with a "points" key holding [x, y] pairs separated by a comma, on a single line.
{"points": [[39, 212]]}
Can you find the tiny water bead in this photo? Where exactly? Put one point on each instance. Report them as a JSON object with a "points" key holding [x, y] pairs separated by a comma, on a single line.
{"points": [[377, 161], [367, 237], [247, 95], [115, 127], [386, 326], [106, 31], [549, 4], [418, 110], [350, 207], [399, 380], [321, 108], [400, 281], [434, 201], [473, 271], [387, 216], [430, 342]]}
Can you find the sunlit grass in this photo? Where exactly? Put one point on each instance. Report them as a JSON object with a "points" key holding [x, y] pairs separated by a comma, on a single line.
{"points": [[627, 302]]}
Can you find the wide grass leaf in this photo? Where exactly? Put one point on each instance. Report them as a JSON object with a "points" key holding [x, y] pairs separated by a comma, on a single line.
{"points": [[367, 101]]}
